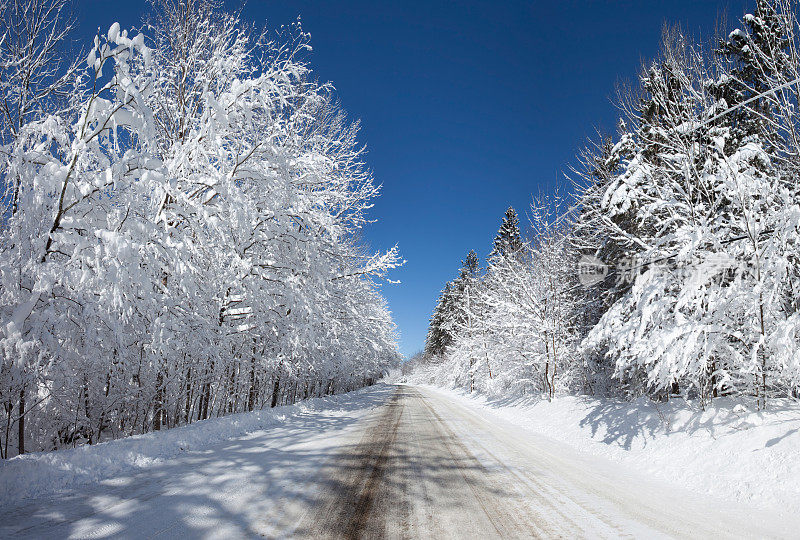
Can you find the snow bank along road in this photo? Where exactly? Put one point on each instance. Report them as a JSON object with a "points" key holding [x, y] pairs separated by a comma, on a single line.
{"points": [[420, 465]]}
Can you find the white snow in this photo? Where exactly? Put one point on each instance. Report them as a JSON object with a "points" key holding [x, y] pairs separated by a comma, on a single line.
{"points": [[230, 476], [113, 32], [727, 451], [255, 474]]}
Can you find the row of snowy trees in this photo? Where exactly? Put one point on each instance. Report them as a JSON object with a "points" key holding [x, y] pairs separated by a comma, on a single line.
{"points": [[512, 326], [179, 228], [694, 211]]}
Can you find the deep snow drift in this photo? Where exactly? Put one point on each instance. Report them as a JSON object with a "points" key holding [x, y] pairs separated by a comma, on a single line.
{"points": [[728, 450]]}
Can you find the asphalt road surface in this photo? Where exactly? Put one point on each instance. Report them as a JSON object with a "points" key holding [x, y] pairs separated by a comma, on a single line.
{"points": [[426, 467]]}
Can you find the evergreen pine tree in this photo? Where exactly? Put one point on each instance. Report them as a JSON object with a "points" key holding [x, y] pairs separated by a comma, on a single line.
{"points": [[438, 338], [508, 240], [449, 313], [456, 314], [755, 55], [471, 266]]}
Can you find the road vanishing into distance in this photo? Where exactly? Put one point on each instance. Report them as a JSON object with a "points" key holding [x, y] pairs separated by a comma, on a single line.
{"points": [[404, 462], [428, 468]]}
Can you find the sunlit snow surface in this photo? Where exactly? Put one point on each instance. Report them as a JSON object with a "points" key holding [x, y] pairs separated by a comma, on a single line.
{"points": [[244, 475], [258, 474], [727, 450]]}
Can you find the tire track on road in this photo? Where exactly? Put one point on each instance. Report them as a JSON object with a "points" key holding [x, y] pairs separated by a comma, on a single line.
{"points": [[345, 507], [386, 436]]}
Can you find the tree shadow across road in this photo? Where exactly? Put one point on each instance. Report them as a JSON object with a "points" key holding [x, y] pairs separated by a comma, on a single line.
{"points": [[251, 486]]}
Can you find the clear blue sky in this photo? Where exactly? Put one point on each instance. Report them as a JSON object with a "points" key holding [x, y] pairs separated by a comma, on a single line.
{"points": [[466, 107]]}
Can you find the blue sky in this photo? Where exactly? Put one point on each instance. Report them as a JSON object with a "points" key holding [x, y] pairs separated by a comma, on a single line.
{"points": [[466, 107]]}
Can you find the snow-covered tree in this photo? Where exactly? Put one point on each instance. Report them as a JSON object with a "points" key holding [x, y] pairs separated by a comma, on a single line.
{"points": [[508, 240], [715, 233], [35, 78], [186, 243], [438, 338], [465, 320], [531, 307], [692, 214]]}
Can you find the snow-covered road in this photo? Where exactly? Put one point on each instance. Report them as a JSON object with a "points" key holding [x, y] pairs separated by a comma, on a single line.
{"points": [[423, 465], [429, 467]]}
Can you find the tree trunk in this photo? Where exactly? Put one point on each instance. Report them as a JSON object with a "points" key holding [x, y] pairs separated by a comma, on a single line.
{"points": [[555, 366], [251, 395], [763, 393], [187, 411], [275, 389], [159, 404], [547, 364], [21, 423], [9, 407], [471, 376], [206, 397]]}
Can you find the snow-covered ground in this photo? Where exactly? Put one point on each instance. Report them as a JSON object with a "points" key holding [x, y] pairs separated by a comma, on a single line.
{"points": [[433, 461], [242, 475], [727, 450], [429, 466]]}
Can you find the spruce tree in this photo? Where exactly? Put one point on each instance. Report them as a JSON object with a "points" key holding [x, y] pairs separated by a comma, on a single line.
{"points": [[456, 315], [470, 268], [754, 56], [508, 240], [438, 338], [450, 311]]}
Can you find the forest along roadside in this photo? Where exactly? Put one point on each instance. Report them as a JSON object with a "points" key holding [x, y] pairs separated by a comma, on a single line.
{"points": [[427, 466]]}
